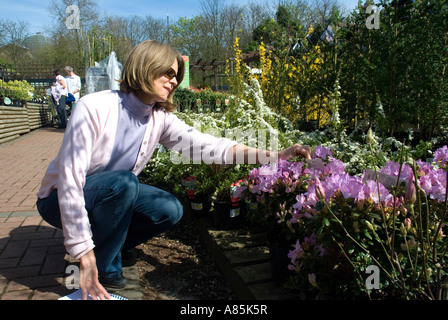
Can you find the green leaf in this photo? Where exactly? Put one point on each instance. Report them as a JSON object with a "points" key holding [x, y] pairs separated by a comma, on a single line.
{"points": [[367, 234]]}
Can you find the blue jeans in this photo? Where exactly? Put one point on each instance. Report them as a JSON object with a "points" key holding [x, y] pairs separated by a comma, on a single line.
{"points": [[123, 213], [62, 112]]}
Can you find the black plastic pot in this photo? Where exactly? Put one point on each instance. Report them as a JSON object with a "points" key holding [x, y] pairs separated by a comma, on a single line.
{"points": [[227, 215], [279, 248], [199, 206]]}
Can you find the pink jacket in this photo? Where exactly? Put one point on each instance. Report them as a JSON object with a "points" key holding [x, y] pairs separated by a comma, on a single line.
{"points": [[87, 146]]}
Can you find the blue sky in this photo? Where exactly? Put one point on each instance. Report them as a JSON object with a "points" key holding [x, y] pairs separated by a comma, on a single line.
{"points": [[35, 12]]}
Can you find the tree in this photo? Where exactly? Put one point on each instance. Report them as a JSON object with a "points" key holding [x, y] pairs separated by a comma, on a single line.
{"points": [[88, 17], [254, 15], [12, 38], [212, 29], [185, 38], [400, 67]]}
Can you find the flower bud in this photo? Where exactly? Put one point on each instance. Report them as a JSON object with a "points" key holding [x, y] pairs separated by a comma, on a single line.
{"points": [[312, 279], [407, 223], [320, 191], [403, 229], [404, 210], [370, 138], [369, 225], [411, 192], [428, 273]]}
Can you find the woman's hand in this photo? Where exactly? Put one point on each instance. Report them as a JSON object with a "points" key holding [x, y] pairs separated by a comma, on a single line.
{"points": [[247, 155], [294, 151], [88, 278]]}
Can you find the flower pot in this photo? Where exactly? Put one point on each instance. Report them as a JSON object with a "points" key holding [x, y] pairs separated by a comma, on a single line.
{"points": [[190, 183], [279, 248], [199, 206], [227, 215]]}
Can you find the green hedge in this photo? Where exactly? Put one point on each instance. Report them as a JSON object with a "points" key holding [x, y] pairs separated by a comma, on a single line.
{"points": [[201, 100]]}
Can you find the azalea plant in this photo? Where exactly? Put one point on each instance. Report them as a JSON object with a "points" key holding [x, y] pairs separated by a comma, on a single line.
{"points": [[342, 225]]}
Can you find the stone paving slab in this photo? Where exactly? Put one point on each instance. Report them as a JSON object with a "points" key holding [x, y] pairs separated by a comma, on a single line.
{"points": [[32, 259]]}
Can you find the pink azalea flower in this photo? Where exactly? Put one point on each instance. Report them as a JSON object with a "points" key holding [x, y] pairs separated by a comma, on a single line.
{"points": [[321, 152], [296, 216], [434, 184], [296, 169], [393, 169], [311, 196], [297, 253], [335, 166], [268, 170], [371, 190], [301, 202], [351, 187], [423, 167], [441, 155], [239, 190]]}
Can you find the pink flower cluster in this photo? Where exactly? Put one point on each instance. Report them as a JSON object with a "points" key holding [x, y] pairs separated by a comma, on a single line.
{"points": [[441, 155], [267, 178], [308, 245], [330, 180]]}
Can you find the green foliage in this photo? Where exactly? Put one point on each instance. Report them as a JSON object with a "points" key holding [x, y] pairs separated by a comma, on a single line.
{"points": [[402, 66], [16, 90], [279, 32], [201, 100]]}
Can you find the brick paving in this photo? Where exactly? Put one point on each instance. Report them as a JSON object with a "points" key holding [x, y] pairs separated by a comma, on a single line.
{"points": [[22, 165], [32, 255]]}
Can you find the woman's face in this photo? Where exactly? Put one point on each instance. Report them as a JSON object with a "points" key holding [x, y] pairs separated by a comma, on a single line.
{"points": [[162, 86]]}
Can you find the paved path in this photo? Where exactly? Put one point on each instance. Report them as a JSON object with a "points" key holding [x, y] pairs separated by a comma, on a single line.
{"points": [[22, 165], [33, 259]]}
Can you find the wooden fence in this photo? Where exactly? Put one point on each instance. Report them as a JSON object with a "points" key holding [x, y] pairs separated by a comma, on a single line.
{"points": [[15, 121]]}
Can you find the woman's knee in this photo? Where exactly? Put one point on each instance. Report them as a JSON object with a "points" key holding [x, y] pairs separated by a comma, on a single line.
{"points": [[174, 210], [127, 184], [158, 205], [48, 209]]}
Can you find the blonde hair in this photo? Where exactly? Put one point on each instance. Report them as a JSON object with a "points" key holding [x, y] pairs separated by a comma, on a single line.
{"points": [[148, 61]]}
